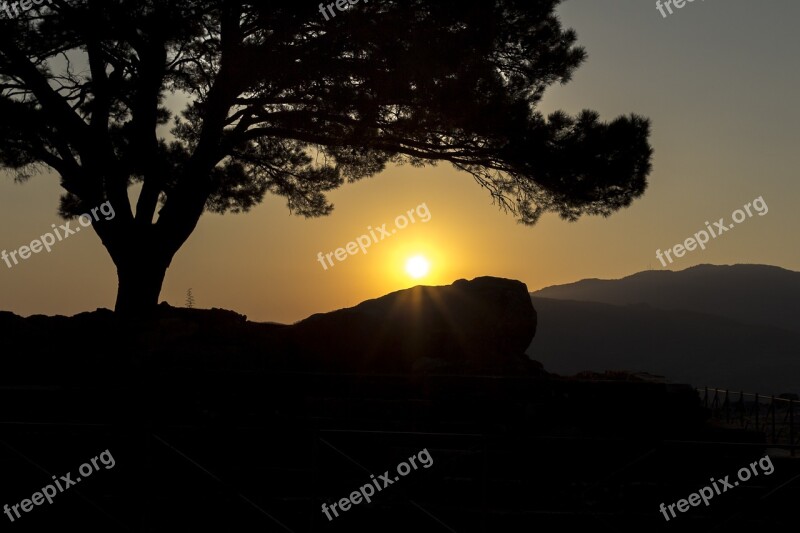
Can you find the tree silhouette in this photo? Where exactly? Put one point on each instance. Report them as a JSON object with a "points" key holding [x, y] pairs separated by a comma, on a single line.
{"points": [[281, 100]]}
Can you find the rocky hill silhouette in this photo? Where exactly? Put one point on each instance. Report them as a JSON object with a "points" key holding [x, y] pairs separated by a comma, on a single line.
{"points": [[478, 326]]}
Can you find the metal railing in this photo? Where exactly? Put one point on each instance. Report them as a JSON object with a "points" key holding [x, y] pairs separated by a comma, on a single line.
{"points": [[771, 415]]}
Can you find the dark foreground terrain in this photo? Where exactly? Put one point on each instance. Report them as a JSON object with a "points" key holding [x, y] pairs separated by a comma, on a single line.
{"points": [[219, 424]]}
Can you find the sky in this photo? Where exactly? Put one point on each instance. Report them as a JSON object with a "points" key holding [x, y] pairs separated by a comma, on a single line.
{"points": [[719, 81]]}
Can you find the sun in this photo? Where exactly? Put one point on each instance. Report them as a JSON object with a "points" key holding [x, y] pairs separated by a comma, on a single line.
{"points": [[417, 266]]}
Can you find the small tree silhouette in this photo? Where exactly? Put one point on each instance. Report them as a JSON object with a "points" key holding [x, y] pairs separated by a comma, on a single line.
{"points": [[189, 299]]}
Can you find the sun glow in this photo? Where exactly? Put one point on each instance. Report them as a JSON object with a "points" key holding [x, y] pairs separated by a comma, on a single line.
{"points": [[417, 266]]}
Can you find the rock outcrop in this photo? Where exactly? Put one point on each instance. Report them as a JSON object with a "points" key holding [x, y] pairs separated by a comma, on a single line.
{"points": [[478, 326], [469, 327]]}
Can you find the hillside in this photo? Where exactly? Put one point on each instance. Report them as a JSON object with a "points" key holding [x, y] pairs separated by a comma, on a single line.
{"points": [[751, 294], [723, 326]]}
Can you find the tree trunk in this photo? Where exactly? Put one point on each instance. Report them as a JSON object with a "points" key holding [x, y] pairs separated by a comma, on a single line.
{"points": [[142, 251], [140, 281]]}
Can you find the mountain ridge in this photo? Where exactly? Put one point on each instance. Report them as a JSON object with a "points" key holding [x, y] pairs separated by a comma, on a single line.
{"points": [[709, 325], [750, 293]]}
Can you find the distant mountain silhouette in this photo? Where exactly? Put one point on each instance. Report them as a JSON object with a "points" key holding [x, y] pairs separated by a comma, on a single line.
{"points": [[751, 294], [724, 326]]}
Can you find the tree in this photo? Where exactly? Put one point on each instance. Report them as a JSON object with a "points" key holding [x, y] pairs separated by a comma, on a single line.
{"points": [[282, 100]]}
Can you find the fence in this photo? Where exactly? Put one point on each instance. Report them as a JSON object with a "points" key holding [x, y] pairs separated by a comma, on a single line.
{"points": [[774, 416]]}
